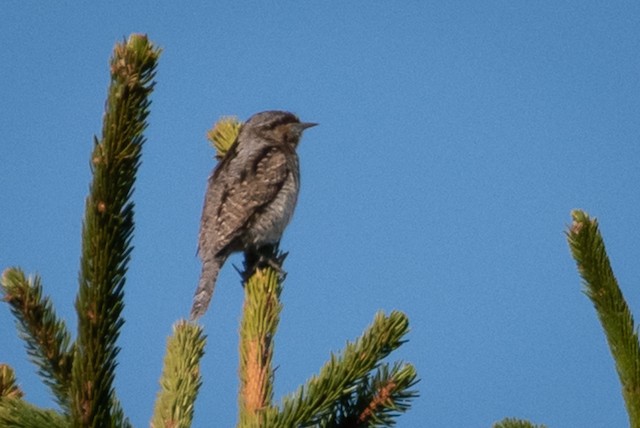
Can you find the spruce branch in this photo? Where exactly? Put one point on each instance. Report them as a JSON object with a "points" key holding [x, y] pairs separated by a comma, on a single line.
{"points": [[46, 336], [601, 286], [261, 315], [224, 134], [181, 378], [516, 423], [339, 377], [8, 386], [107, 233], [378, 399], [17, 413]]}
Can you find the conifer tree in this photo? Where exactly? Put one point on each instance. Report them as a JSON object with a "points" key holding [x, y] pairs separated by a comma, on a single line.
{"points": [[353, 389]]}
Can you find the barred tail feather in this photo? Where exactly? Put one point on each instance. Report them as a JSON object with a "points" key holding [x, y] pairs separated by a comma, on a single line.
{"points": [[202, 296]]}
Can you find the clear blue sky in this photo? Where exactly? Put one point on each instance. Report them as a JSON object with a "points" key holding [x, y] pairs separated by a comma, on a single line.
{"points": [[455, 139]]}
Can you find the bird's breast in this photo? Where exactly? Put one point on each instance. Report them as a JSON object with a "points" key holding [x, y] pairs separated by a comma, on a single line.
{"points": [[268, 224]]}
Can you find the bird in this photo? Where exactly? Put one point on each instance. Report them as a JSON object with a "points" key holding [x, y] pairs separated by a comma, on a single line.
{"points": [[251, 195]]}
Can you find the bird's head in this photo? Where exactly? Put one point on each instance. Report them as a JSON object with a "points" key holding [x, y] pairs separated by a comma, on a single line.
{"points": [[278, 126]]}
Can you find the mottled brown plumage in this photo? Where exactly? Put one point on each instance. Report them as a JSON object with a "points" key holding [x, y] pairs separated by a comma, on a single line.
{"points": [[250, 197]]}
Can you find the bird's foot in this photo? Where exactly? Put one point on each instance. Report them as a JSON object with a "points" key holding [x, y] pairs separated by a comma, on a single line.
{"points": [[263, 257]]}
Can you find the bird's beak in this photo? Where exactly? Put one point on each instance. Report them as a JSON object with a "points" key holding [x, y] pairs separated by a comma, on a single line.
{"points": [[305, 125]]}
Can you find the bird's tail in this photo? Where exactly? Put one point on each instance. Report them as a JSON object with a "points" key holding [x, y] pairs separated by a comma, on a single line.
{"points": [[202, 296]]}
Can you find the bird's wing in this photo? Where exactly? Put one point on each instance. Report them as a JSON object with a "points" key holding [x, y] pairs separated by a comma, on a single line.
{"points": [[236, 191]]}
